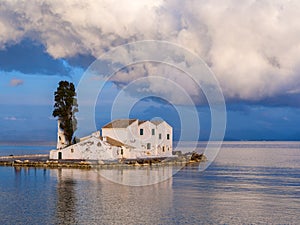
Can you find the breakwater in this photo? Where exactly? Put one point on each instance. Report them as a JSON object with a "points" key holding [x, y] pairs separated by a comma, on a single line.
{"points": [[44, 162]]}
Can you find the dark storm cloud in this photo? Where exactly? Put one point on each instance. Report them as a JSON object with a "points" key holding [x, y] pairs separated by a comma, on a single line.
{"points": [[30, 57]]}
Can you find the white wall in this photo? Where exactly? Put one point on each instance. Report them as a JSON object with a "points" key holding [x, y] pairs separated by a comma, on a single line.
{"points": [[131, 137], [164, 144], [90, 149], [61, 138], [147, 137]]}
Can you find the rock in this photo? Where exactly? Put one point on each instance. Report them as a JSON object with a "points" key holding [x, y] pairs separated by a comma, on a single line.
{"points": [[197, 157], [100, 162], [178, 153], [84, 163], [137, 164], [18, 161]]}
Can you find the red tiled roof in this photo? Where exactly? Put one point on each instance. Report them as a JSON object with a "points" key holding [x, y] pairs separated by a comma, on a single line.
{"points": [[156, 122], [142, 121], [121, 123], [114, 142]]}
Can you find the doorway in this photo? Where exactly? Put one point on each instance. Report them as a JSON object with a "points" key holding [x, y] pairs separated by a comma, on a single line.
{"points": [[59, 155]]}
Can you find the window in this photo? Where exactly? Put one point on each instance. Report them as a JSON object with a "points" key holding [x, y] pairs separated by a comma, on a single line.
{"points": [[159, 136], [168, 136], [72, 150], [148, 145], [141, 131], [153, 131], [163, 148]]}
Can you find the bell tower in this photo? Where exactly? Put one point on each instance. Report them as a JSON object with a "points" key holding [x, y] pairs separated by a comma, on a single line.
{"points": [[61, 138]]}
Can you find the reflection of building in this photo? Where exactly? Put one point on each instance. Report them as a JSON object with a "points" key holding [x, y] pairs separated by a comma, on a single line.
{"points": [[95, 200], [125, 138]]}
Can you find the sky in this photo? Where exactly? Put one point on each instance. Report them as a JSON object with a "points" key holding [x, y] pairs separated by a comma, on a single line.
{"points": [[251, 48]]}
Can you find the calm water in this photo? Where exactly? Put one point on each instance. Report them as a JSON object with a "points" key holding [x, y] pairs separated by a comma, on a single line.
{"points": [[249, 183]]}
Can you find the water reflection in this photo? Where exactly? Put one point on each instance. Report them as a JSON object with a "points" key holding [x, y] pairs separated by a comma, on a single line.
{"points": [[86, 197], [241, 195], [66, 199], [139, 176], [243, 186]]}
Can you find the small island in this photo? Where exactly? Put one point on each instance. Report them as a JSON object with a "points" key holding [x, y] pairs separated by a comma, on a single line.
{"points": [[43, 161], [122, 142]]}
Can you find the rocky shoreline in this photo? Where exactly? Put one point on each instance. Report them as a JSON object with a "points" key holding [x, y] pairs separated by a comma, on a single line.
{"points": [[42, 161]]}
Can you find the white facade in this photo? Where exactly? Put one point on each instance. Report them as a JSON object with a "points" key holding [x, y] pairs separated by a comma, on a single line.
{"points": [[121, 139], [153, 138], [90, 149], [164, 138], [61, 138]]}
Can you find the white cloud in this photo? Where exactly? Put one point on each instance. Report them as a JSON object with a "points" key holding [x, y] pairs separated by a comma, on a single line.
{"points": [[253, 47], [159, 80], [294, 91], [16, 82], [12, 118], [285, 118]]}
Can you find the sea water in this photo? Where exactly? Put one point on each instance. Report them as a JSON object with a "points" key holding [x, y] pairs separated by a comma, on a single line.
{"points": [[248, 183]]}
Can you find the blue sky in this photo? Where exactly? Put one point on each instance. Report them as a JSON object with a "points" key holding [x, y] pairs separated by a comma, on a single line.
{"points": [[253, 50]]}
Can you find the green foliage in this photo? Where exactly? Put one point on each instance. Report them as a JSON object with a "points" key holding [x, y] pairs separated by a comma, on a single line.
{"points": [[65, 108]]}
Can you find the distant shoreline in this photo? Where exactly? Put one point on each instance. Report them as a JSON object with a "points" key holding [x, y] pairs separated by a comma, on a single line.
{"points": [[31, 143], [53, 143]]}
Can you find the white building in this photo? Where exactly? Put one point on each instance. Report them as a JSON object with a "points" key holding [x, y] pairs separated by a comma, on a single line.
{"points": [[121, 139], [62, 141]]}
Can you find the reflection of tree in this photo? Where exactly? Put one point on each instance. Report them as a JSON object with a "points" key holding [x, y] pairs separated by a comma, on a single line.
{"points": [[66, 200]]}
